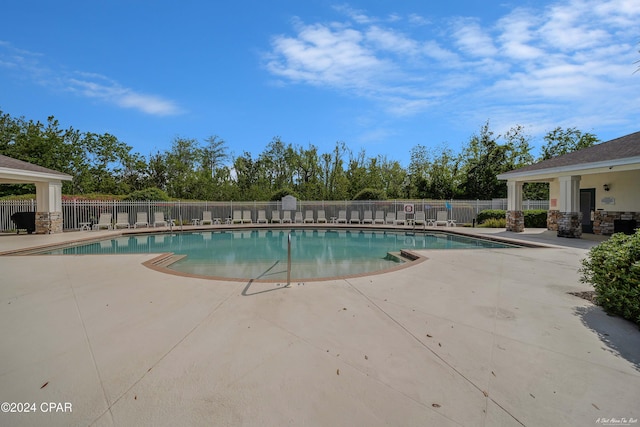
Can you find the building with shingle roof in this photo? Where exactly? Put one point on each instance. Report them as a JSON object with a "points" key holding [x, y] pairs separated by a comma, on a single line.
{"points": [[48, 182], [593, 190]]}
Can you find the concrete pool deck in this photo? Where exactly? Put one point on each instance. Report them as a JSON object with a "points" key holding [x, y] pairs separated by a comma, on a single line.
{"points": [[468, 337]]}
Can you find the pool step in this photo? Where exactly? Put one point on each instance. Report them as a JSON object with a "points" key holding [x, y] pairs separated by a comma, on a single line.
{"points": [[402, 256], [165, 261]]}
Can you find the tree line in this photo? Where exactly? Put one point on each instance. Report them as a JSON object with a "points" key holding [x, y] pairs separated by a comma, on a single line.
{"points": [[206, 170]]}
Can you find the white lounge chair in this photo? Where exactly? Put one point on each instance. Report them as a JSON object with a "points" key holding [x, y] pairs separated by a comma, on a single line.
{"points": [[246, 217], [298, 218], [441, 218], [379, 218], [355, 217], [104, 221], [122, 220], [308, 216], [275, 217], [262, 217], [286, 217], [158, 219], [342, 216], [237, 217], [401, 218], [206, 218], [141, 220], [321, 217], [391, 217], [368, 217], [420, 219]]}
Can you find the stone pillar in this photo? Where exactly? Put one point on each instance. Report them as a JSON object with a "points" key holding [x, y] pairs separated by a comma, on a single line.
{"points": [[515, 216], [570, 224], [569, 217], [552, 220], [48, 222], [515, 221], [49, 201]]}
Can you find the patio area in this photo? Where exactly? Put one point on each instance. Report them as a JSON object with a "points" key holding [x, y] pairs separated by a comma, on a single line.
{"points": [[466, 338]]}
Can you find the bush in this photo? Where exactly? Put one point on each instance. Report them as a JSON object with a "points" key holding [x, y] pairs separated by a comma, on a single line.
{"points": [[491, 214], [370, 194], [613, 268], [494, 223], [535, 218], [148, 194]]}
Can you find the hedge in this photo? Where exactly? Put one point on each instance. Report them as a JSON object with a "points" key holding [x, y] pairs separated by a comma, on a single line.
{"points": [[613, 268], [533, 218]]}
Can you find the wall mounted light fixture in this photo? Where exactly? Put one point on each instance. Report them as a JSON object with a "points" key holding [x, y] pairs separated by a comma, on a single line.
{"points": [[606, 187]]}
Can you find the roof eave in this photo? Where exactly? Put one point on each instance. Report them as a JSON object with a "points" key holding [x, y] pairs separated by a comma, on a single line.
{"points": [[32, 176], [567, 170]]}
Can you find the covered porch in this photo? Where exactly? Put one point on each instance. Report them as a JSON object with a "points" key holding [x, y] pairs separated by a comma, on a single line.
{"points": [[593, 190], [48, 183]]}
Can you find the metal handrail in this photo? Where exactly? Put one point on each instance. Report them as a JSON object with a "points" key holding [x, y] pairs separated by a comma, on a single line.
{"points": [[289, 259]]}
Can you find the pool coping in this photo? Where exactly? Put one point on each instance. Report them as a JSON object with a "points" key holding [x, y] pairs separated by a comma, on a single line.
{"points": [[163, 260]]}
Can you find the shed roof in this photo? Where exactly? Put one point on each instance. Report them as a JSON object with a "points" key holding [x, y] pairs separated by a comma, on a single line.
{"points": [[20, 170], [616, 152]]}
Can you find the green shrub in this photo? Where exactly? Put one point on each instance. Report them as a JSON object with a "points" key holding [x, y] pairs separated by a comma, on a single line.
{"points": [[370, 194], [491, 214], [535, 218], [494, 223], [613, 268], [148, 194]]}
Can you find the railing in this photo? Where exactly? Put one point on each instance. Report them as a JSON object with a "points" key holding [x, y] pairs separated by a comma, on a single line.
{"points": [[75, 212]]}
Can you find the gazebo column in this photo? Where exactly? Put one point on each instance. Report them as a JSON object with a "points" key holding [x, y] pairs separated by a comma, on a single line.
{"points": [[49, 212], [570, 217], [515, 215]]}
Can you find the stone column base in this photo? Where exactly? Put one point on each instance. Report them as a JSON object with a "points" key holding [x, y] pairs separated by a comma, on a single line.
{"points": [[570, 224], [48, 222], [515, 221], [552, 220]]}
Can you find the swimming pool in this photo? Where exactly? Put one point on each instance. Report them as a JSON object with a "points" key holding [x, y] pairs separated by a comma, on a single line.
{"points": [[262, 254]]}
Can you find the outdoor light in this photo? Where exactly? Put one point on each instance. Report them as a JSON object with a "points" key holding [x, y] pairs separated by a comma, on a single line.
{"points": [[606, 187]]}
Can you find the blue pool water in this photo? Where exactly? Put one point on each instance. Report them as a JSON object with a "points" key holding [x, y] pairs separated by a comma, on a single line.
{"points": [[262, 254]]}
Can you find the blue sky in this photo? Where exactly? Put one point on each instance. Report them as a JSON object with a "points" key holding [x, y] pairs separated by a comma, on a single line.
{"points": [[383, 76]]}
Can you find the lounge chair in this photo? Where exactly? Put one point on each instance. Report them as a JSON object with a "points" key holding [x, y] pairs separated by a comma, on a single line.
{"points": [[158, 219], [262, 217], [420, 219], [298, 218], [355, 217], [321, 217], [342, 216], [206, 218], [237, 217], [104, 221], [275, 217], [391, 217], [246, 217], [308, 216], [379, 218], [122, 220], [401, 218], [368, 217], [441, 218], [286, 217], [141, 220]]}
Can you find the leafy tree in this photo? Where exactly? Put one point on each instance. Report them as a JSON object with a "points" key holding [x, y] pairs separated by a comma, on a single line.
{"points": [[560, 141]]}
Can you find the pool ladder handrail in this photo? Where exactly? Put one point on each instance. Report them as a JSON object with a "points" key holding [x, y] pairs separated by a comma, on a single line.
{"points": [[289, 259]]}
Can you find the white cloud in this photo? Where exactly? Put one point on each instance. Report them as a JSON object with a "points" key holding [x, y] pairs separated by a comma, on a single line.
{"points": [[472, 39], [552, 64], [88, 85]]}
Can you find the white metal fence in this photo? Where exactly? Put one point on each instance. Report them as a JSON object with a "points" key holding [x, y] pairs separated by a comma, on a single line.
{"points": [[88, 211]]}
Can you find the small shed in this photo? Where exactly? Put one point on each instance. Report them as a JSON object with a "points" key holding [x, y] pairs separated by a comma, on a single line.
{"points": [[593, 190], [48, 184]]}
